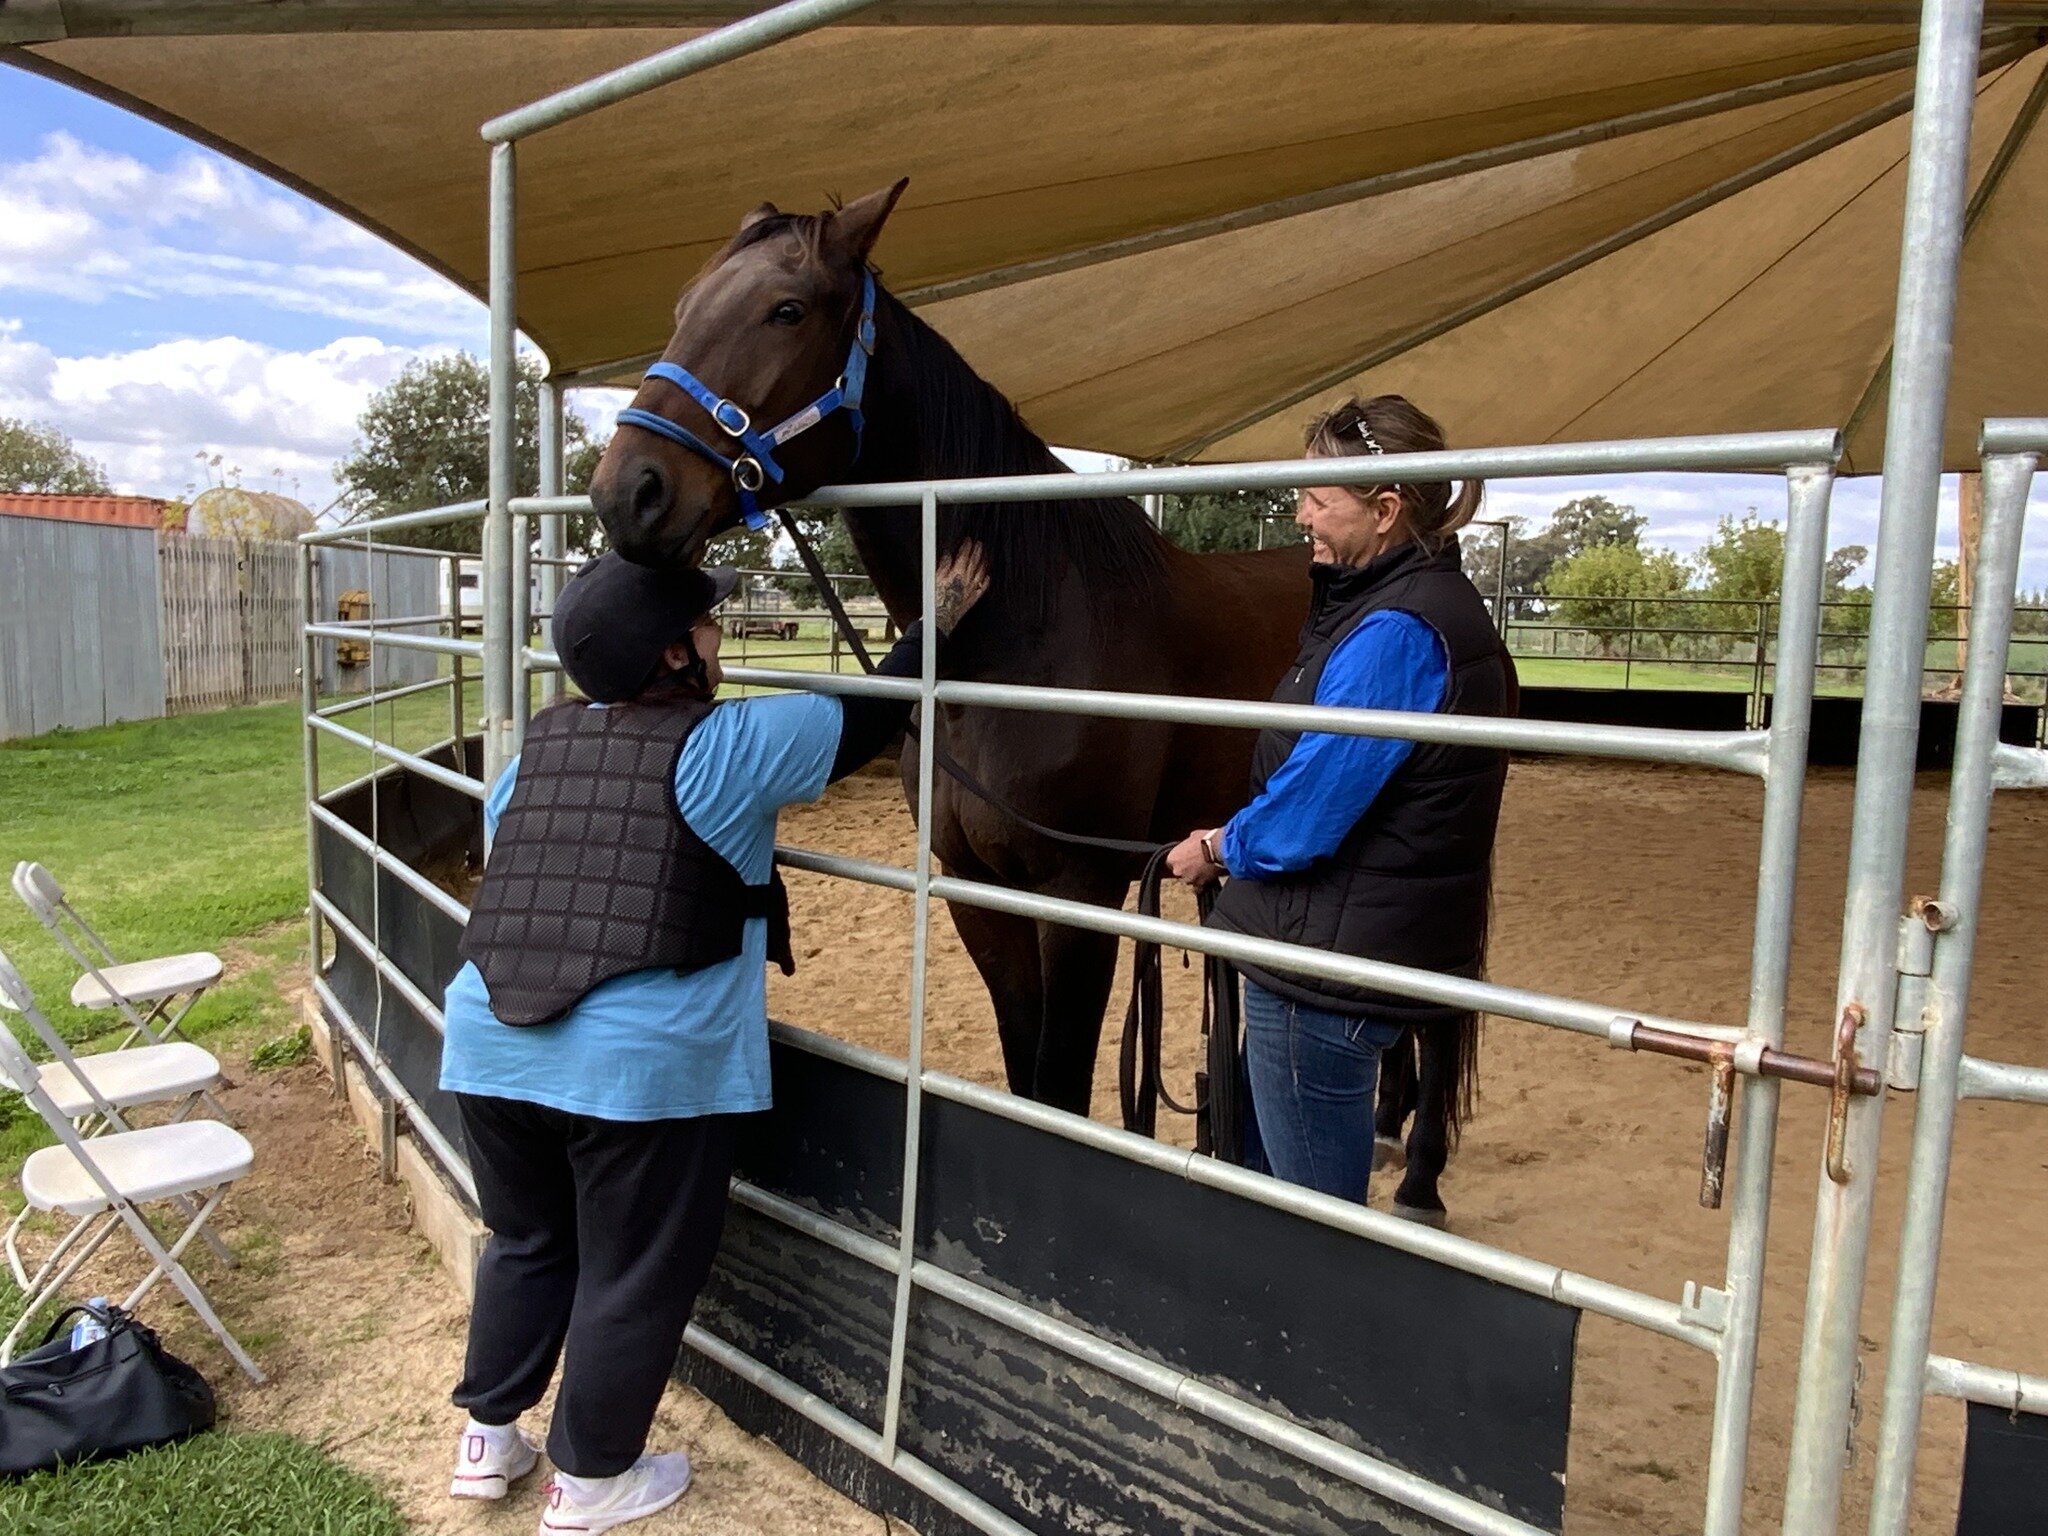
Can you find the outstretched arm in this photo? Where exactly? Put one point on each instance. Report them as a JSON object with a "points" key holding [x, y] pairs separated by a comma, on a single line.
{"points": [[871, 724]]}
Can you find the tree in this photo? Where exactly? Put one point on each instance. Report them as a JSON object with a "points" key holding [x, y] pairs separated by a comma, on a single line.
{"points": [[1744, 560], [1590, 522], [1212, 522], [36, 457], [1594, 588], [426, 440], [1583, 523]]}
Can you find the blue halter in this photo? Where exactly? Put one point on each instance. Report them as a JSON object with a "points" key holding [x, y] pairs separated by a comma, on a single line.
{"points": [[754, 466]]}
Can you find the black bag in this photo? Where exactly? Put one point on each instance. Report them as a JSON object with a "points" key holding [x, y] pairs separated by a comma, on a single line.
{"points": [[106, 1398]]}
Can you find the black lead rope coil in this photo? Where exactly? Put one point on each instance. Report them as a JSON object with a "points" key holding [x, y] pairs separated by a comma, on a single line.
{"points": [[1218, 1103]]}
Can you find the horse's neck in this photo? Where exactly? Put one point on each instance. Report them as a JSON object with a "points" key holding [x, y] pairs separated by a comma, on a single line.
{"points": [[918, 432]]}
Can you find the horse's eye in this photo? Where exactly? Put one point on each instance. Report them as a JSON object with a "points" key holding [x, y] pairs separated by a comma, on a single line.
{"points": [[788, 312]]}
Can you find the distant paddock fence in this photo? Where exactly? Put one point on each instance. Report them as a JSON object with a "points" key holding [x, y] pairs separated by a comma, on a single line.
{"points": [[101, 623]]}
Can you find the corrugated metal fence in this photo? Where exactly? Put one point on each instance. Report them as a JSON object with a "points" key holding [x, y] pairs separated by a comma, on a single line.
{"points": [[80, 643], [100, 623], [398, 587]]}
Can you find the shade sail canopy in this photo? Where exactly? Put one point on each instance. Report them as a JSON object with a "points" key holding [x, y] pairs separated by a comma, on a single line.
{"points": [[1174, 240]]}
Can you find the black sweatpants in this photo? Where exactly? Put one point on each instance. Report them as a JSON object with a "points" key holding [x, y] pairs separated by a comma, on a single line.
{"points": [[602, 1234]]}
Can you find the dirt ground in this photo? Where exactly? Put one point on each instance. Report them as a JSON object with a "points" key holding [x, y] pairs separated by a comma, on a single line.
{"points": [[1631, 885]]}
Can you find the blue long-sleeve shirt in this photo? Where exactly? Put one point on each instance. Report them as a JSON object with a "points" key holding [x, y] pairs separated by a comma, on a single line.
{"points": [[1392, 660]]}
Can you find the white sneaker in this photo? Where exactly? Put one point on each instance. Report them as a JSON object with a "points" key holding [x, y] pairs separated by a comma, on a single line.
{"points": [[577, 1506], [489, 1460]]}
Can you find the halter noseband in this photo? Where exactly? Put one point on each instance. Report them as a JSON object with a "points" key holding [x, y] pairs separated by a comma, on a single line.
{"points": [[754, 467]]}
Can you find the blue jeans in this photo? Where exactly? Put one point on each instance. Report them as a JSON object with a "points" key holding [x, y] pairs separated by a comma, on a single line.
{"points": [[1310, 1109]]}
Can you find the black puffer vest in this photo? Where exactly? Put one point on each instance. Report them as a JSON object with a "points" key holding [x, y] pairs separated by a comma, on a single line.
{"points": [[595, 874], [1411, 882]]}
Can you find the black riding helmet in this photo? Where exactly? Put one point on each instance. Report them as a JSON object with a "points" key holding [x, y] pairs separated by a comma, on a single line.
{"points": [[614, 620]]}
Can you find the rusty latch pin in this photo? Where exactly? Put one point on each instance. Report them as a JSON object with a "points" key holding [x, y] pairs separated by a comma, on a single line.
{"points": [[1851, 1021]]}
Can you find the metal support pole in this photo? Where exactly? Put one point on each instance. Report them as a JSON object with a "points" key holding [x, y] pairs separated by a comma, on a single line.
{"points": [[1930, 254], [495, 585], [1763, 652], [699, 53], [1770, 967], [1500, 585], [458, 727], [554, 531], [309, 703], [913, 1106], [2006, 483]]}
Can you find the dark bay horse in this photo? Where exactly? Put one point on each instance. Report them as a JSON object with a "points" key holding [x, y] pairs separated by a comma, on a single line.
{"points": [[1084, 594]]}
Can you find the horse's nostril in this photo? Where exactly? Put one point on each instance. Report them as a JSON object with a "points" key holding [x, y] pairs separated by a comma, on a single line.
{"points": [[650, 501]]}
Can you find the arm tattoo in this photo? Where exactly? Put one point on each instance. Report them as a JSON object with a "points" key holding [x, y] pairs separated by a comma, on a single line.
{"points": [[950, 602]]}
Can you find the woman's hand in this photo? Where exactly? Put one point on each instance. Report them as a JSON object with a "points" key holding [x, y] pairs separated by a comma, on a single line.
{"points": [[962, 578], [1191, 859]]}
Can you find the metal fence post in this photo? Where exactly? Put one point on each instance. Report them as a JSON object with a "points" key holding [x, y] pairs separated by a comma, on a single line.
{"points": [[1763, 645], [554, 531], [1930, 254], [913, 1108], [458, 726], [495, 586], [309, 704], [2006, 482], [1806, 521]]}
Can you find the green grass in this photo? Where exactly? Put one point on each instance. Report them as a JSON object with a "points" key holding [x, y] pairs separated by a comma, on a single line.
{"points": [[172, 835], [213, 1485]]}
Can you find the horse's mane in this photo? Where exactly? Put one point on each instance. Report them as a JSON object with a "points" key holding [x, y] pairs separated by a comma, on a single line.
{"points": [[965, 427]]}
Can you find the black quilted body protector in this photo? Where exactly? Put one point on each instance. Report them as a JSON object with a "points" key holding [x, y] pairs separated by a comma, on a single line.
{"points": [[594, 873]]}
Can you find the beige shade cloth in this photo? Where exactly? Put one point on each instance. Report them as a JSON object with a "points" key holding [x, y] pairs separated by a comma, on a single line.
{"points": [[1766, 308]]}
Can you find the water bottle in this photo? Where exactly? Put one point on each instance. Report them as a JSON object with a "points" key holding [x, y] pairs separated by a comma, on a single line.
{"points": [[89, 1328]]}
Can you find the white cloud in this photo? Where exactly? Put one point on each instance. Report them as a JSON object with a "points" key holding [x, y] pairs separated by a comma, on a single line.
{"points": [[278, 415], [86, 224]]}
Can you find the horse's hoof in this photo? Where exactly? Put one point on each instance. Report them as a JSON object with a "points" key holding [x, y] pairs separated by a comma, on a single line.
{"points": [[1422, 1217], [1388, 1153]]}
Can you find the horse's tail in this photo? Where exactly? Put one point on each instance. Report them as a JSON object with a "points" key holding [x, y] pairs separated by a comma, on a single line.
{"points": [[1458, 1037]]}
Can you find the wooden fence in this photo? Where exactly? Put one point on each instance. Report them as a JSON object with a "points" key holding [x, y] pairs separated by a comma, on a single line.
{"points": [[229, 621]]}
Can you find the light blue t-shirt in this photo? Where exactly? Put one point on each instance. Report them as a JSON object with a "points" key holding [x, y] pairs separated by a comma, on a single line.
{"points": [[654, 1045]]}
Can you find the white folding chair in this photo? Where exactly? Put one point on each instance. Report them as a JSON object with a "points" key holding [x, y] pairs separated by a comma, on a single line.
{"points": [[103, 1182], [92, 1091], [167, 986]]}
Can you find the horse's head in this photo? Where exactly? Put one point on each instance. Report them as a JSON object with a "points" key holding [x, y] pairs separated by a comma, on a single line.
{"points": [[764, 334]]}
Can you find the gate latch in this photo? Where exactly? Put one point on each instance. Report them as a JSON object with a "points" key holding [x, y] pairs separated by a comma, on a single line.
{"points": [[1851, 1021]]}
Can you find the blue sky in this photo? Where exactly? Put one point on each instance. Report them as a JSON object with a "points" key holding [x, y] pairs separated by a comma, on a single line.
{"points": [[159, 303]]}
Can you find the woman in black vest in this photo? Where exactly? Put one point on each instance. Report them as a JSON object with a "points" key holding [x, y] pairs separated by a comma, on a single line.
{"points": [[1379, 848], [611, 1025]]}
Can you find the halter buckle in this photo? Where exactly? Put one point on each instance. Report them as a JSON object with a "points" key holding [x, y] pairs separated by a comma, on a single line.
{"points": [[747, 473], [725, 422]]}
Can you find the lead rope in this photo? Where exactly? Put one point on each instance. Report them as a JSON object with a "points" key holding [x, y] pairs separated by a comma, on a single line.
{"points": [[1217, 1101]]}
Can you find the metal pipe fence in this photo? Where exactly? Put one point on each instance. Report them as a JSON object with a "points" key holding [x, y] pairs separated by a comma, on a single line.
{"points": [[1719, 1319], [1722, 1320], [1930, 258], [1934, 995]]}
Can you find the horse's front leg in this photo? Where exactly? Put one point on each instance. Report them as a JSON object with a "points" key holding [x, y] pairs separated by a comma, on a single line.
{"points": [[1005, 950], [1076, 970]]}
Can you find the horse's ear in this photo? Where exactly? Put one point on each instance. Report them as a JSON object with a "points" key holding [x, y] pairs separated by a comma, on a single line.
{"points": [[852, 231], [765, 211]]}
